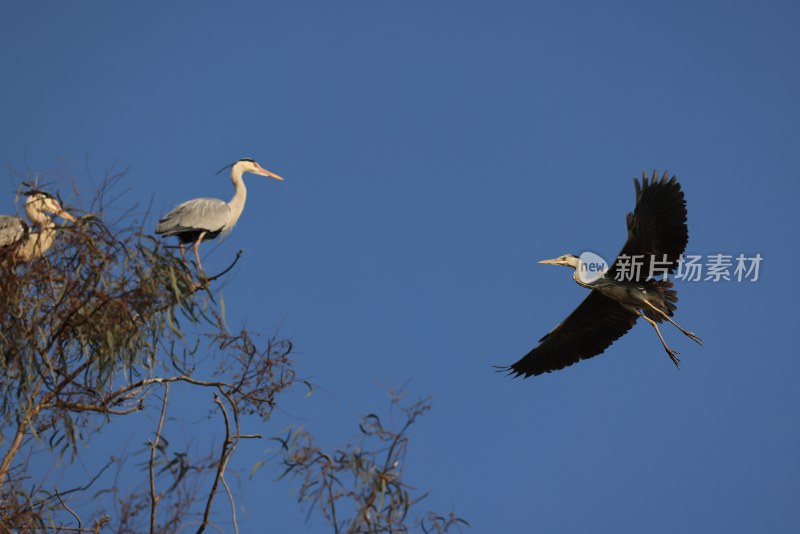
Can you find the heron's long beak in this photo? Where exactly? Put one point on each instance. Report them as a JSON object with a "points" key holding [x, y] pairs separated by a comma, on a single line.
{"points": [[64, 215], [554, 261], [265, 172]]}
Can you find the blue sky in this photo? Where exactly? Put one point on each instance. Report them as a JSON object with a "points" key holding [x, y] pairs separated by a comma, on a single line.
{"points": [[433, 152]]}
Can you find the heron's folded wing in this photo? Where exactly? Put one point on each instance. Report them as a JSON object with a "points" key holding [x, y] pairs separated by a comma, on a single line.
{"points": [[12, 230], [589, 330], [657, 227], [209, 214]]}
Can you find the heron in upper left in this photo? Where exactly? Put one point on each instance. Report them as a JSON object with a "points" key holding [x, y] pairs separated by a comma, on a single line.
{"points": [[17, 236], [206, 218]]}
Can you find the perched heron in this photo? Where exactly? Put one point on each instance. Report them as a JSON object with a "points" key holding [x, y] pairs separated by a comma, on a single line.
{"points": [[207, 218], [657, 236], [24, 243]]}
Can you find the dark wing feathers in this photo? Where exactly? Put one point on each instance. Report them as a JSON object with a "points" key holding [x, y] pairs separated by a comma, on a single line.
{"points": [[657, 225], [587, 332]]}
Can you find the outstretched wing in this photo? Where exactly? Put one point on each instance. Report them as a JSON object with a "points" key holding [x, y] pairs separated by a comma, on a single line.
{"points": [[657, 231], [587, 332], [12, 230]]}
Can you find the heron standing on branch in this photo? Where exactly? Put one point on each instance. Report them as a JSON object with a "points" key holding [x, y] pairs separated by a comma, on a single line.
{"points": [[657, 236], [207, 218], [17, 236]]}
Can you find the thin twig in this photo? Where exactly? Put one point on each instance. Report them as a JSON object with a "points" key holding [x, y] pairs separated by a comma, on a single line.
{"points": [[31, 412], [233, 505], [92, 408], [223, 460], [231, 266], [85, 486], [333, 507], [221, 386], [68, 509], [153, 445]]}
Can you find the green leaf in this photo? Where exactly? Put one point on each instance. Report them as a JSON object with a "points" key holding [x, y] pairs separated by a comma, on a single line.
{"points": [[256, 467]]}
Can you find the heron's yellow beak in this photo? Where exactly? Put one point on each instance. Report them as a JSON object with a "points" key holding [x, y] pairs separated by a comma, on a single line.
{"points": [[265, 172], [554, 261], [64, 215]]}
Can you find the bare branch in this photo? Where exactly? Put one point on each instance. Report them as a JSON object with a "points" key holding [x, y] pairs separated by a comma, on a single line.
{"points": [[153, 445], [223, 460], [68, 509]]}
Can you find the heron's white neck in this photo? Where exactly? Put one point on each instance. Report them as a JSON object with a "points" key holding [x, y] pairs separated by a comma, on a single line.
{"points": [[239, 196], [38, 216]]}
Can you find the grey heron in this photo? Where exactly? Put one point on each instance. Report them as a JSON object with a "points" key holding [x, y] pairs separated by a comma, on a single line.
{"points": [[15, 234], [207, 218], [657, 234]]}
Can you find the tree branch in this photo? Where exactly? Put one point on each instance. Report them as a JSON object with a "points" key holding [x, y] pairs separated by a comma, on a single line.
{"points": [[153, 445], [223, 460]]}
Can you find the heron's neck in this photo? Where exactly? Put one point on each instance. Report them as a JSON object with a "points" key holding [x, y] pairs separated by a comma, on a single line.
{"points": [[37, 243], [240, 195], [589, 282], [38, 217], [577, 278]]}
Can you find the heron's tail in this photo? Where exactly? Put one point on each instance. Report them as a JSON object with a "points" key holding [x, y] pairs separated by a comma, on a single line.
{"points": [[663, 296]]}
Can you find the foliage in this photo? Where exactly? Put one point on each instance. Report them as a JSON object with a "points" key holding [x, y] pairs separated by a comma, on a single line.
{"points": [[109, 324], [96, 329]]}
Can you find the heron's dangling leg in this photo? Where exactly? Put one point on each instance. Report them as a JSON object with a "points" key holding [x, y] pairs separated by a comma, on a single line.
{"points": [[183, 252], [688, 334], [673, 354], [197, 254]]}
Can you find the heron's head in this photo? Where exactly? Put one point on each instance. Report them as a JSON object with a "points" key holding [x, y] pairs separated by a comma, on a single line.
{"points": [[39, 203], [250, 165], [567, 260]]}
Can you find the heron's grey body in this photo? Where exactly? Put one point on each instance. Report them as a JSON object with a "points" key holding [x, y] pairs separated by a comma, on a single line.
{"points": [[188, 220], [657, 235], [207, 218], [630, 294]]}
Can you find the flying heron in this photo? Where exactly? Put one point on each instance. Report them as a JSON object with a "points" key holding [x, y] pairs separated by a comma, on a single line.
{"points": [[207, 218], [657, 237], [17, 236]]}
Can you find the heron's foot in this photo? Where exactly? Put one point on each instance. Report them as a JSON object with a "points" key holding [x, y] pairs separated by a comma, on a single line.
{"points": [[187, 275], [694, 338], [673, 354], [202, 280], [201, 283]]}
